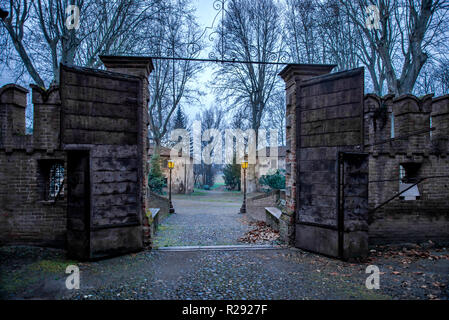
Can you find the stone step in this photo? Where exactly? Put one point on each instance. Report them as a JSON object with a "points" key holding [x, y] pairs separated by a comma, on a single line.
{"points": [[221, 248], [275, 212]]}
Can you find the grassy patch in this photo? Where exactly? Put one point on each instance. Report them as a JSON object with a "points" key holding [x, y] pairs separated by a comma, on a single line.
{"points": [[198, 192], [166, 236], [18, 280], [216, 186], [163, 227], [219, 200], [51, 266], [232, 192], [166, 242]]}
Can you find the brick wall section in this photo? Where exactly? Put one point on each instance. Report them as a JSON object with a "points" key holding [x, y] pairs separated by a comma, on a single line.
{"points": [[12, 118], [401, 220], [255, 204], [47, 119], [156, 201], [24, 215]]}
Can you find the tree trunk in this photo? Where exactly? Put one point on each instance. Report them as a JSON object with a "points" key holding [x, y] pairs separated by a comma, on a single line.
{"points": [[26, 59]]}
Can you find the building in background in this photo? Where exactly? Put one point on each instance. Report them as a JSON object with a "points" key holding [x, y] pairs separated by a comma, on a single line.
{"points": [[267, 164], [182, 173]]}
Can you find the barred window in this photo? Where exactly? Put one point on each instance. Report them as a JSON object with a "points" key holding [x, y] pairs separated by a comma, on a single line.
{"points": [[401, 174], [408, 176], [409, 172], [392, 126], [52, 179], [56, 181]]}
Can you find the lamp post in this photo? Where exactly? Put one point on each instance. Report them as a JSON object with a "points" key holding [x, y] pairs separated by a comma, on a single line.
{"points": [[171, 165], [244, 167]]}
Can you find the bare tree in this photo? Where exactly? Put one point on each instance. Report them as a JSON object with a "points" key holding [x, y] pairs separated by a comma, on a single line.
{"points": [[434, 78], [302, 29], [441, 78], [14, 23], [426, 81], [211, 118], [42, 40], [276, 115], [319, 32], [337, 34], [410, 30], [175, 35], [252, 32]]}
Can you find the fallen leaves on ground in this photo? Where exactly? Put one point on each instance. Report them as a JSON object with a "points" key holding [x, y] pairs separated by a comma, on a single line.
{"points": [[438, 284], [260, 233], [408, 255]]}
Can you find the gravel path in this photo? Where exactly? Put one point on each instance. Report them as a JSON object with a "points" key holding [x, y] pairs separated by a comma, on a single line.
{"points": [[413, 272], [32, 273], [203, 219]]}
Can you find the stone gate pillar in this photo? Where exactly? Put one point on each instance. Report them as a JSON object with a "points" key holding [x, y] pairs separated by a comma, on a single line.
{"points": [[293, 74], [142, 68]]}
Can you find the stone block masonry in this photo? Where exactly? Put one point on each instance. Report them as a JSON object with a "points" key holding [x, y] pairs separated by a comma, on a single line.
{"points": [[80, 181], [115, 150], [293, 75], [329, 122]]}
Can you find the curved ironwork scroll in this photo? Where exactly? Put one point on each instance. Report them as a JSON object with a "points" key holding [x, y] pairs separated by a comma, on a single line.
{"points": [[223, 56]]}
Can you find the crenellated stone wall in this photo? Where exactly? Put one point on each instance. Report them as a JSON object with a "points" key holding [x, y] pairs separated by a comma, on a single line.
{"points": [[424, 155], [26, 216]]}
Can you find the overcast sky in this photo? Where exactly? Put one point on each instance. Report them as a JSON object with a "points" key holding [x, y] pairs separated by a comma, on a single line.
{"points": [[205, 14]]}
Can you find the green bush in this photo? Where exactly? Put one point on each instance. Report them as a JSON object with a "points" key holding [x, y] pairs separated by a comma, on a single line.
{"points": [[156, 180], [231, 176], [275, 180]]}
